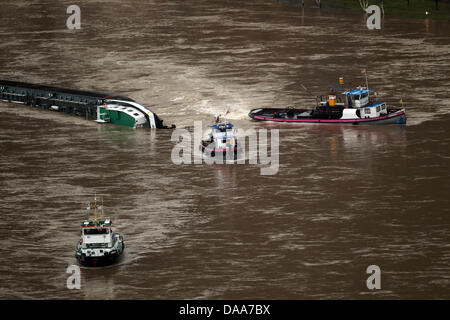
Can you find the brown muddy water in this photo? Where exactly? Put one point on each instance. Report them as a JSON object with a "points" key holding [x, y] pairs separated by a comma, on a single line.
{"points": [[345, 197]]}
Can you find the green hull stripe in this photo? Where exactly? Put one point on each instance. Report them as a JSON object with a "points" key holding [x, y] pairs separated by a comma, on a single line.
{"points": [[117, 117]]}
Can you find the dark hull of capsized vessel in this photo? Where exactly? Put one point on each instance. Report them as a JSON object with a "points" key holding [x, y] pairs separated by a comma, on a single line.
{"points": [[394, 116], [69, 101]]}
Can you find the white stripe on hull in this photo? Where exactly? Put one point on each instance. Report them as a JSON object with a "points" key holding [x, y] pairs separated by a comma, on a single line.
{"points": [[141, 108]]}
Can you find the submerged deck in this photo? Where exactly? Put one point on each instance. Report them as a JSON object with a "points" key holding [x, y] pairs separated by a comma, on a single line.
{"points": [[77, 102]]}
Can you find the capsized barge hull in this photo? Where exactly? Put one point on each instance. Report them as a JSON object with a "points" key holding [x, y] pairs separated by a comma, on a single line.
{"points": [[102, 107]]}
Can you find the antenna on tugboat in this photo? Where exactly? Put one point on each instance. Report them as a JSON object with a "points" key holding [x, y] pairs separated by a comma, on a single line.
{"points": [[226, 113], [95, 207], [367, 83], [364, 72], [307, 91]]}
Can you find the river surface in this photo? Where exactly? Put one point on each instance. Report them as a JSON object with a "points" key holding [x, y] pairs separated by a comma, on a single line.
{"points": [[344, 198]]}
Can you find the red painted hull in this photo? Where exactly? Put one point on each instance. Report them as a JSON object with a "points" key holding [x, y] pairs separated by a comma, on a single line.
{"points": [[394, 117]]}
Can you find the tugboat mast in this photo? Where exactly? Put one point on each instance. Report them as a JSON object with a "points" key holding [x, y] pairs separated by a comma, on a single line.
{"points": [[364, 71], [93, 205], [95, 208]]}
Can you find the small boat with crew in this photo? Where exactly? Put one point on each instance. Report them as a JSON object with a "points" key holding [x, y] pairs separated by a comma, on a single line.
{"points": [[221, 141], [354, 106], [98, 244]]}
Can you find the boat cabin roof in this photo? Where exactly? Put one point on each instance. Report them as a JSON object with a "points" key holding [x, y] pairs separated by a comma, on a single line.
{"points": [[376, 104], [222, 126], [99, 223], [355, 92]]}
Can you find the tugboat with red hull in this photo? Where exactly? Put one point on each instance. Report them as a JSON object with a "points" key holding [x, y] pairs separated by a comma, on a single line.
{"points": [[351, 107], [221, 141]]}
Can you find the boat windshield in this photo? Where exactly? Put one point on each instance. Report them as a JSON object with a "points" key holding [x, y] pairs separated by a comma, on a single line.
{"points": [[222, 127], [96, 231]]}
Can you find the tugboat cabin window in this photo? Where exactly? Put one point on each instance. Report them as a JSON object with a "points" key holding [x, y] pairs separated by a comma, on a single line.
{"points": [[96, 231], [378, 109], [367, 111]]}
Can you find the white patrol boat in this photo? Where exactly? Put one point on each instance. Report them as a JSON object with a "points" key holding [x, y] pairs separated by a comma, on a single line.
{"points": [[98, 244], [221, 141]]}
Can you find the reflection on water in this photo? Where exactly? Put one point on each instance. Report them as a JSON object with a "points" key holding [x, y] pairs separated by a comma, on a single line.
{"points": [[345, 197], [226, 176], [96, 284]]}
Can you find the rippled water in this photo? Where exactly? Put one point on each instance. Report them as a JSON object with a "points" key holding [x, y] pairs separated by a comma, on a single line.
{"points": [[345, 197]]}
